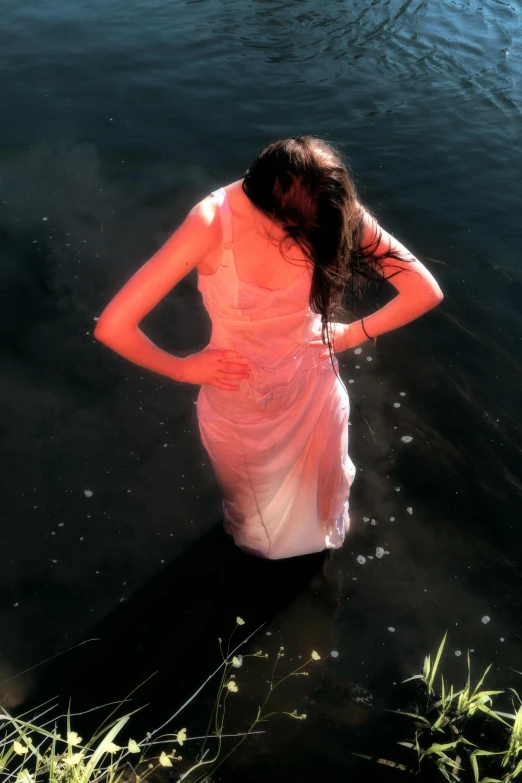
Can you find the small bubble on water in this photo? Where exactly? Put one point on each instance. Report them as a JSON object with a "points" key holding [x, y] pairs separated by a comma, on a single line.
{"points": [[391, 629], [361, 559], [358, 351], [366, 519], [392, 519], [458, 653], [409, 510], [502, 639], [351, 380], [403, 394], [369, 359], [379, 552], [396, 405], [373, 522], [406, 439], [88, 493], [486, 619], [334, 654]]}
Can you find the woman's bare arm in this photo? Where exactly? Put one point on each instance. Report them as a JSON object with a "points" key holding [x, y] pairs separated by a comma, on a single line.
{"points": [[418, 291], [118, 326]]}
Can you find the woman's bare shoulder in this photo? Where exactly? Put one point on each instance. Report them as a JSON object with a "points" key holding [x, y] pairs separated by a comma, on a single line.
{"points": [[206, 212]]}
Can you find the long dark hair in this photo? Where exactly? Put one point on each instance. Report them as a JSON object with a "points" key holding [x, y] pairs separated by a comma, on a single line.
{"points": [[303, 184]]}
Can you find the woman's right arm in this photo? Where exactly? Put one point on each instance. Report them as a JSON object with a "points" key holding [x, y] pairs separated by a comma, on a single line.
{"points": [[118, 326]]}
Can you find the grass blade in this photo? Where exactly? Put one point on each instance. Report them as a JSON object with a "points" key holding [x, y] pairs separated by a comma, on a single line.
{"points": [[100, 750], [433, 671]]}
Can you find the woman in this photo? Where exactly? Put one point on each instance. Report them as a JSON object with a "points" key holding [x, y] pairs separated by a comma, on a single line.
{"points": [[273, 253]]}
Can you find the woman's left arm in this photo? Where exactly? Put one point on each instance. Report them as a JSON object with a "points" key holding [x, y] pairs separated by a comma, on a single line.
{"points": [[418, 291]]}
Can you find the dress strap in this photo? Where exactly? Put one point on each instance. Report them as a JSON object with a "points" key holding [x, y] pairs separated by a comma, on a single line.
{"points": [[228, 261], [226, 218]]}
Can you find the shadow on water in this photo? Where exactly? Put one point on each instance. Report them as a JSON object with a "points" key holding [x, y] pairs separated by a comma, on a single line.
{"points": [[164, 637], [170, 627]]}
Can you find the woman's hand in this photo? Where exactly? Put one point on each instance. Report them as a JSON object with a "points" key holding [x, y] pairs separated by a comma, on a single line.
{"points": [[215, 367], [342, 337]]}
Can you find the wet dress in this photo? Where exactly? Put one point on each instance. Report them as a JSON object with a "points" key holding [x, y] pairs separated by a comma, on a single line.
{"points": [[278, 445]]}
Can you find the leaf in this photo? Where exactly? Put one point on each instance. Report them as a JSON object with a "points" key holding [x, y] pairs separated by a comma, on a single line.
{"points": [[479, 683], [506, 714], [181, 736], [133, 746], [164, 760], [482, 694], [98, 753], [316, 656], [406, 744], [19, 749], [474, 765], [240, 621], [445, 773], [415, 677], [413, 715], [439, 749], [436, 664], [492, 713]]}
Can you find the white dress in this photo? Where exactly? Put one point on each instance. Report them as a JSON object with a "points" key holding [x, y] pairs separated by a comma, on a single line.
{"points": [[278, 445]]}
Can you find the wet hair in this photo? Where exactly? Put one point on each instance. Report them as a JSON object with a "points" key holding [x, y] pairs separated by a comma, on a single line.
{"points": [[303, 184]]}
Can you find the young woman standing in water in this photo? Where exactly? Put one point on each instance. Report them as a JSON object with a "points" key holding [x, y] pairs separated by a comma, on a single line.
{"points": [[274, 252]]}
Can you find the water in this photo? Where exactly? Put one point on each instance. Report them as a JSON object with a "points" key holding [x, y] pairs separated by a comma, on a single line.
{"points": [[117, 118]]}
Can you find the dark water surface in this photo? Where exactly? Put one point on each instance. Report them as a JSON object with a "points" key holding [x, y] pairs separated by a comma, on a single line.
{"points": [[117, 118]]}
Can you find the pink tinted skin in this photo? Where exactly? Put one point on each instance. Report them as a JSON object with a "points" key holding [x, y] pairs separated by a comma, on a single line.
{"points": [[197, 238], [418, 292]]}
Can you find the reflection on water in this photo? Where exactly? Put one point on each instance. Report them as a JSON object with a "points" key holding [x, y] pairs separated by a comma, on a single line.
{"points": [[120, 118]]}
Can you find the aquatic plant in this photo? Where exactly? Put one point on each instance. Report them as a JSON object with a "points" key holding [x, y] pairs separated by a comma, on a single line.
{"points": [[37, 748], [439, 740]]}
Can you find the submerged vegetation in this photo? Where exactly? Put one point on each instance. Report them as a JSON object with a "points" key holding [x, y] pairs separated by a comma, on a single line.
{"points": [[457, 733], [39, 748], [451, 729]]}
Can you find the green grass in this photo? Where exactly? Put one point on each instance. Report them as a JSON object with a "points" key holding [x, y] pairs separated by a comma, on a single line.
{"points": [[439, 740], [37, 748]]}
